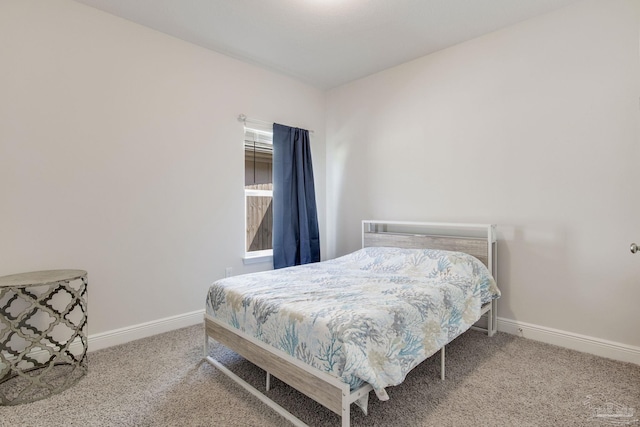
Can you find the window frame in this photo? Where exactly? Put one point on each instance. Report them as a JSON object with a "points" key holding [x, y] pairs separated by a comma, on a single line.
{"points": [[265, 255]]}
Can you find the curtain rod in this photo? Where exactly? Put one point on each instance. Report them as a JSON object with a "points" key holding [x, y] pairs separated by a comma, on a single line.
{"points": [[244, 119]]}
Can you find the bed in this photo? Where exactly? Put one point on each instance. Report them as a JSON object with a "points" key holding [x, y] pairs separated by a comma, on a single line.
{"points": [[338, 329]]}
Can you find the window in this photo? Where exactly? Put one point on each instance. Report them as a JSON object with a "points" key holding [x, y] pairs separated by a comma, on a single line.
{"points": [[258, 192]]}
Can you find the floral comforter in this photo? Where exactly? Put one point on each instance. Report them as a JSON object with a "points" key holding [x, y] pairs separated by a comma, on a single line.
{"points": [[370, 316]]}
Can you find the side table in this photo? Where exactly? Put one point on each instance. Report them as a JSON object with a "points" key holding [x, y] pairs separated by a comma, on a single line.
{"points": [[43, 334]]}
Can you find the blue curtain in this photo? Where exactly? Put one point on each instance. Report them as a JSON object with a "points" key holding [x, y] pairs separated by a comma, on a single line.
{"points": [[296, 238]]}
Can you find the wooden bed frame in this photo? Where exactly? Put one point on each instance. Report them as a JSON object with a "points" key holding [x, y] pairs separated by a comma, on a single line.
{"points": [[478, 240]]}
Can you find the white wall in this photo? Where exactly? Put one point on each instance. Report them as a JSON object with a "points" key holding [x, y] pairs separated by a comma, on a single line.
{"points": [[120, 154], [534, 128]]}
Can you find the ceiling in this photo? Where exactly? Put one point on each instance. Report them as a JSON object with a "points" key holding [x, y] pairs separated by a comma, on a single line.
{"points": [[326, 43]]}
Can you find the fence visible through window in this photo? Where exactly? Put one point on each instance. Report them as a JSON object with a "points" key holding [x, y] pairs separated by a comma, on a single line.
{"points": [[259, 217]]}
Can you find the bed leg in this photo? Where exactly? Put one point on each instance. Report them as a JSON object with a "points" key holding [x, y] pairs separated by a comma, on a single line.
{"points": [[346, 409], [492, 319], [442, 363], [268, 386], [205, 349]]}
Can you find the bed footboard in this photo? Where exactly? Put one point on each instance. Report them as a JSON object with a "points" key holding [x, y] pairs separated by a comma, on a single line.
{"points": [[319, 386]]}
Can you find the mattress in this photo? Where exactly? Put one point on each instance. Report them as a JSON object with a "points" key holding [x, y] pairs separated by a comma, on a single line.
{"points": [[369, 316]]}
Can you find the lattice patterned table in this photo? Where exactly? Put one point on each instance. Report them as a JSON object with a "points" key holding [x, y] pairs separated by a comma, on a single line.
{"points": [[43, 334]]}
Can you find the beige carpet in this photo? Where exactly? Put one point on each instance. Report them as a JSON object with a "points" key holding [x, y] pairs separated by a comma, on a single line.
{"points": [[499, 381]]}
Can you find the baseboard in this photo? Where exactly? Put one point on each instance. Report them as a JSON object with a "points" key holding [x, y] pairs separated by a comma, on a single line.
{"points": [[143, 330], [583, 343], [124, 335]]}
